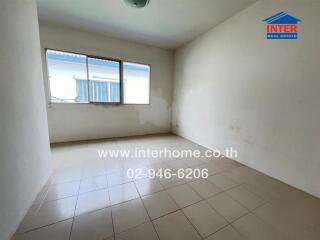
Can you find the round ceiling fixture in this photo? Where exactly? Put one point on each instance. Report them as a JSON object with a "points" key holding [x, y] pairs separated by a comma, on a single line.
{"points": [[137, 3]]}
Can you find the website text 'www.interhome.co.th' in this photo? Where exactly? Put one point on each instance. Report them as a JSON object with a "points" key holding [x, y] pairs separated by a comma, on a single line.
{"points": [[150, 153]]}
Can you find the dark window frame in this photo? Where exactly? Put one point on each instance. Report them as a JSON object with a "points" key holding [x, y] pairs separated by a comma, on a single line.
{"points": [[121, 100]]}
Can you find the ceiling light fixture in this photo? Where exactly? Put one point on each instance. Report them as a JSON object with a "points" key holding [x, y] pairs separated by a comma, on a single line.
{"points": [[137, 3]]}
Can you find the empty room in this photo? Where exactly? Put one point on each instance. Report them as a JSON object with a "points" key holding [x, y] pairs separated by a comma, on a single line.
{"points": [[159, 120]]}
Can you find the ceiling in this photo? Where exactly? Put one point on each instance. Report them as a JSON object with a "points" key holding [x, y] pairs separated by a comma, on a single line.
{"points": [[163, 23]]}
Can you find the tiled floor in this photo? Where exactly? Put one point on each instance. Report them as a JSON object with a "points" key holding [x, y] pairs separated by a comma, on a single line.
{"points": [[92, 198]]}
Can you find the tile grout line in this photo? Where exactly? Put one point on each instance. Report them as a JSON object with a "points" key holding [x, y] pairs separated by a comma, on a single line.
{"points": [[231, 223], [206, 200], [75, 209], [111, 212], [44, 197], [154, 228], [48, 225], [250, 210], [181, 210]]}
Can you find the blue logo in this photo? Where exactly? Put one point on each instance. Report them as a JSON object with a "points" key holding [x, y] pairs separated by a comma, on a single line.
{"points": [[282, 26]]}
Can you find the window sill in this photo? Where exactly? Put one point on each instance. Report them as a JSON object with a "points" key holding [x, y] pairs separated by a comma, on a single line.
{"points": [[100, 104]]}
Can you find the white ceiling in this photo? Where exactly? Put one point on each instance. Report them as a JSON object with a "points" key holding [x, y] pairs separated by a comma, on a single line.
{"points": [[163, 23]]}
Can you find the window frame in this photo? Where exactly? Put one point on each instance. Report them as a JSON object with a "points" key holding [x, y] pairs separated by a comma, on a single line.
{"points": [[88, 77], [120, 61]]}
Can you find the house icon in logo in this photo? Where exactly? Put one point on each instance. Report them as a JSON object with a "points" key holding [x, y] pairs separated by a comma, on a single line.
{"points": [[282, 26]]}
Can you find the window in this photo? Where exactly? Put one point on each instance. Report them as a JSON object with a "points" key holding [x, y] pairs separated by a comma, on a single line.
{"points": [[136, 83], [104, 78], [64, 70], [78, 78]]}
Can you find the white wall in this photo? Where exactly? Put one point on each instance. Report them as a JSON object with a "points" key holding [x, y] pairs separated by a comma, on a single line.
{"points": [[68, 122], [235, 88], [24, 140]]}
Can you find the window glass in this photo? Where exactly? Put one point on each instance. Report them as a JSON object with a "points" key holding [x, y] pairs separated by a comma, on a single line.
{"points": [[64, 71], [136, 83], [104, 80]]}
